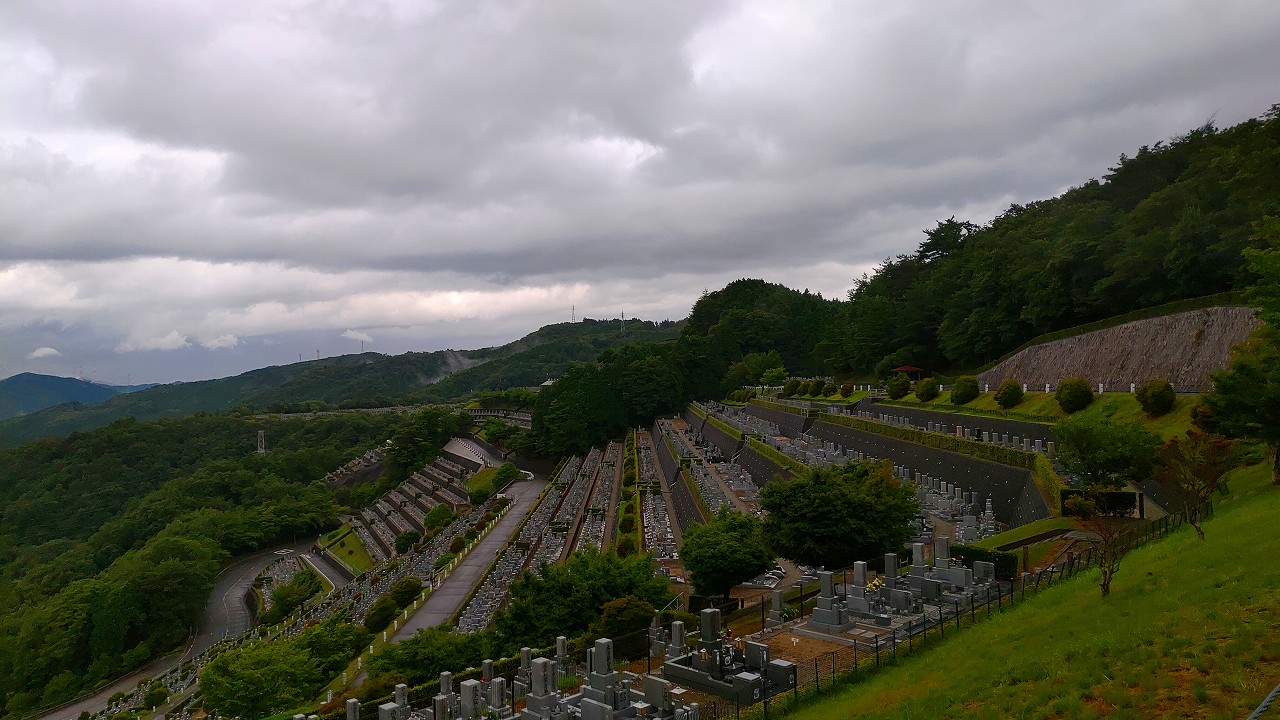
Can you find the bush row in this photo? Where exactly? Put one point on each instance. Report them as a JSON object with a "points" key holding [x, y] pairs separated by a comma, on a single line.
{"points": [[780, 407], [972, 448], [1006, 562], [783, 460], [726, 427]]}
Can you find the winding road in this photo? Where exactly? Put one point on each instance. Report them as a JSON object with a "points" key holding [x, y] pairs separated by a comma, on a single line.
{"points": [[226, 615]]}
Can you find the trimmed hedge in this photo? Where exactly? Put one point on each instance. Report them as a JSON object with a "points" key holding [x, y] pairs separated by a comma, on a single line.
{"points": [[1009, 394], [926, 389], [1156, 397], [1006, 562], [782, 459], [726, 427], [781, 407], [965, 390], [1073, 395], [973, 448], [1110, 502]]}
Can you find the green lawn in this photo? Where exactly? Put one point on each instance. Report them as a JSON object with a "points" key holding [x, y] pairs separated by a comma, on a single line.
{"points": [[352, 551], [1041, 407], [482, 479], [1190, 630], [1029, 530]]}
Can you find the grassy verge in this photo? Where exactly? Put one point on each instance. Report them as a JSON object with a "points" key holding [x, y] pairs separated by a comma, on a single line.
{"points": [[1042, 408], [1188, 631], [1042, 471], [351, 551], [788, 463], [726, 427], [1029, 530], [697, 411]]}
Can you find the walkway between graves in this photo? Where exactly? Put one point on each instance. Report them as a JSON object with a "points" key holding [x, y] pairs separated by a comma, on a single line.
{"points": [[445, 600]]}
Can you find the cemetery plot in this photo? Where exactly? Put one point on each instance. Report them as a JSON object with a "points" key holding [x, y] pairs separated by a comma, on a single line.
{"points": [[597, 516], [743, 421], [1016, 500], [404, 508], [535, 692], [366, 468]]}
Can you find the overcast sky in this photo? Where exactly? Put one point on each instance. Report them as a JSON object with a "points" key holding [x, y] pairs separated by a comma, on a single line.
{"points": [[194, 189]]}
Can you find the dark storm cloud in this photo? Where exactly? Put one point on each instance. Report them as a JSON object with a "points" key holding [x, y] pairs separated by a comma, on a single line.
{"points": [[190, 176]]}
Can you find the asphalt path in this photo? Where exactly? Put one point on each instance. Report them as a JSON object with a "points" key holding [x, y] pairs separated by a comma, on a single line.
{"points": [[445, 600], [226, 615]]}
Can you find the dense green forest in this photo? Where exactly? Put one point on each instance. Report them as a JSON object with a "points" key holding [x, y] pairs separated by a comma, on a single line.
{"points": [[1170, 223], [110, 539], [543, 354]]}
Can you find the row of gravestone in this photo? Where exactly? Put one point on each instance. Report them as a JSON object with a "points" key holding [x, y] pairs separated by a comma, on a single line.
{"points": [[605, 694]]}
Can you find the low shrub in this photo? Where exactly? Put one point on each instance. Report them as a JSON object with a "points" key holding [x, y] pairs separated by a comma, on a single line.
{"points": [[1156, 397], [965, 390], [1009, 394], [846, 389], [1073, 395], [926, 389], [1006, 562], [899, 386]]}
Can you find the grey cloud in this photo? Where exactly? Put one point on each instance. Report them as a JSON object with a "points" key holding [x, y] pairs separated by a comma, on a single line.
{"points": [[509, 144]]}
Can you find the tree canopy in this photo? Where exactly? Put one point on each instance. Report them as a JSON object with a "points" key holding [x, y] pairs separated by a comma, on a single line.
{"points": [[837, 515], [1103, 454], [728, 550]]}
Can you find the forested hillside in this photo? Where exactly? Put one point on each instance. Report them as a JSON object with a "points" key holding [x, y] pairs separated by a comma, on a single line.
{"points": [[162, 401], [353, 381], [28, 392], [731, 337], [1170, 223], [543, 354], [110, 540]]}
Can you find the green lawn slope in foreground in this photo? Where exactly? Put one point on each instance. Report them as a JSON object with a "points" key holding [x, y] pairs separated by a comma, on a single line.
{"points": [[1042, 407], [1191, 630]]}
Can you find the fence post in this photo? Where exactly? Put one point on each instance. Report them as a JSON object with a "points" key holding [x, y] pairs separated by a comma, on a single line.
{"points": [[895, 644], [877, 651], [833, 668], [817, 677]]}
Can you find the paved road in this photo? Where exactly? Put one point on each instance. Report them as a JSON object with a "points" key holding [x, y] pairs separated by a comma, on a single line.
{"points": [[445, 600], [225, 613]]}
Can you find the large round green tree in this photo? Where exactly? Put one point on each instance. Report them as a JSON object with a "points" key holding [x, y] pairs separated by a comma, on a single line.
{"points": [[834, 516], [726, 551]]}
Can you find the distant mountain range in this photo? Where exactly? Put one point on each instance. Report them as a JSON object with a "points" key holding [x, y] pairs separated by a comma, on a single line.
{"points": [[28, 392], [363, 380]]}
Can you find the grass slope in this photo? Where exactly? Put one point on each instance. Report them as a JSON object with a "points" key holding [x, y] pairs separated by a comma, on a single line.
{"points": [[1190, 630], [1041, 407], [351, 551]]}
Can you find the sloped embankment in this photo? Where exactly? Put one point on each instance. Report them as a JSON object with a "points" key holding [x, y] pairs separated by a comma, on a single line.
{"points": [[1182, 348]]}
